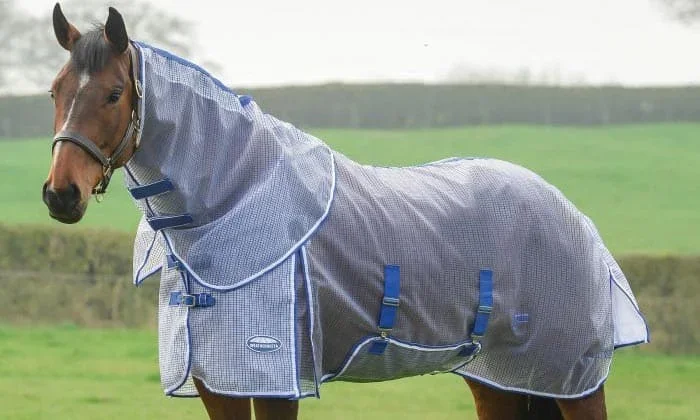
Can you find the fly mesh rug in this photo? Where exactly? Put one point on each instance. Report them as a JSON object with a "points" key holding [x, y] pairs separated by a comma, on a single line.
{"points": [[284, 264]]}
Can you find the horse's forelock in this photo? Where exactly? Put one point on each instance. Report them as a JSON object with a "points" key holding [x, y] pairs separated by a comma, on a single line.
{"points": [[91, 52]]}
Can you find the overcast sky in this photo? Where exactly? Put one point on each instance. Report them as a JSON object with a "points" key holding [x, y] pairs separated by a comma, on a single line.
{"points": [[267, 42]]}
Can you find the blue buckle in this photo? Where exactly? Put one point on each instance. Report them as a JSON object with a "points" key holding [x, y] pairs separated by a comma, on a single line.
{"points": [[390, 301], [200, 300], [188, 300]]}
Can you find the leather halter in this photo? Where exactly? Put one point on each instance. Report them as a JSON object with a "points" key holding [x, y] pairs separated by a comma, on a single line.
{"points": [[132, 133]]}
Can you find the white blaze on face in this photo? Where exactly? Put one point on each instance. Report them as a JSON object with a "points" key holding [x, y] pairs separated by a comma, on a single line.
{"points": [[82, 82], [70, 112], [84, 79]]}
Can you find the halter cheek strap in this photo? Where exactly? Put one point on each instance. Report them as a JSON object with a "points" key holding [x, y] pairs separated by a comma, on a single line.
{"points": [[132, 133]]}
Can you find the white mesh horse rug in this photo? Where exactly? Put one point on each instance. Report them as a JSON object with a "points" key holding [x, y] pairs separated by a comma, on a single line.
{"points": [[284, 264]]}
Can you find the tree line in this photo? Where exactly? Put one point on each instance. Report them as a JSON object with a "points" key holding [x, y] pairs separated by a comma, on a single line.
{"points": [[31, 57], [412, 106]]}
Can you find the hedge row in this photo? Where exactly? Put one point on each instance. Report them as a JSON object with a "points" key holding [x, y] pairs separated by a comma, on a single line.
{"points": [[423, 106], [71, 276], [83, 277]]}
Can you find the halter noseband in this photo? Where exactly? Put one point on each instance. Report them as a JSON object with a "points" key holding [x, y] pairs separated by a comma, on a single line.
{"points": [[132, 133]]}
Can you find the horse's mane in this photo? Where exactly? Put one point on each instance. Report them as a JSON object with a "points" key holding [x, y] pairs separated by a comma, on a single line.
{"points": [[91, 52]]}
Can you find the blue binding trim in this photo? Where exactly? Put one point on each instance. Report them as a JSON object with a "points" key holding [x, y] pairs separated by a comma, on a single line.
{"points": [[162, 222], [244, 100], [390, 305], [185, 63], [485, 304], [358, 350], [149, 190], [198, 300]]}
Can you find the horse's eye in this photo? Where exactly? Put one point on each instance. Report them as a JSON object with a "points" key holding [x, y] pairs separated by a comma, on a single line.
{"points": [[114, 97], [52, 95]]}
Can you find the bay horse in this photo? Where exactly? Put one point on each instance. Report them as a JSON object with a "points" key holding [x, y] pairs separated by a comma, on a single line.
{"points": [[213, 174]]}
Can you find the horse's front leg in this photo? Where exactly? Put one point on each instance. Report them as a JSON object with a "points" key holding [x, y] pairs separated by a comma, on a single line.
{"points": [[221, 407], [275, 409]]}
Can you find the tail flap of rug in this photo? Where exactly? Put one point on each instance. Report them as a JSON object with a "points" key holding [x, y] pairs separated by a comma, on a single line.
{"points": [[629, 323]]}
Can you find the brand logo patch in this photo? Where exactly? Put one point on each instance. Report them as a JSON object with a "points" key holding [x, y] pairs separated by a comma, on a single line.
{"points": [[264, 344]]}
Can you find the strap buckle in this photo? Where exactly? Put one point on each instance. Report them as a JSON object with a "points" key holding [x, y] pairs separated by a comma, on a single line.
{"points": [[485, 309], [139, 88], [199, 300], [390, 301], [188, 300]]}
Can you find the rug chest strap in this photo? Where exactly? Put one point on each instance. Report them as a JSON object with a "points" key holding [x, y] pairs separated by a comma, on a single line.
{"points": [[389, 307], [163, 222], [200, 300], [149, 190]]}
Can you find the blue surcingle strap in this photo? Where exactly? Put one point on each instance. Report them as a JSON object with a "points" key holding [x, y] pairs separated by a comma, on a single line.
{"points": [[198, 300], [481, 320], [162, 222], [149, 190], [390, 305]]}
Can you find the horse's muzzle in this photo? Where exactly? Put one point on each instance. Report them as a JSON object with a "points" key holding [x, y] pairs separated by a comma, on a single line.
{"points": [[64, 204]]}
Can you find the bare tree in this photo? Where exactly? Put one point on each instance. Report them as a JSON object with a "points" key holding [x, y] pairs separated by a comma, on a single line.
{"points": [[28, 46], [686, 11], [12, 24]]}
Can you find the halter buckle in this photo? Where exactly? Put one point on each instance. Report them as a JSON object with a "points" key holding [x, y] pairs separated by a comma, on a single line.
{"points": [[139, 89]]}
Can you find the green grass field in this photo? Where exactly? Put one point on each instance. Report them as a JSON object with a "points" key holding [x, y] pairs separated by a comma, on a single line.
{"points": [[70, 373], [638, 183]]}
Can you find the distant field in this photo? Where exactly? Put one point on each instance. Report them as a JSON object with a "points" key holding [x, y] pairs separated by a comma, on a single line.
{"points": [[69, 373], [638, 183]]}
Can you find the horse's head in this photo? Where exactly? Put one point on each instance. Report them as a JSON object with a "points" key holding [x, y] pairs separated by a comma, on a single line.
{"points": [[96, 124]]}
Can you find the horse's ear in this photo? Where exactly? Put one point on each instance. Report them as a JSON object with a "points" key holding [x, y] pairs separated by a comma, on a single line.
{"points": [[66, 34], [115, 31]]}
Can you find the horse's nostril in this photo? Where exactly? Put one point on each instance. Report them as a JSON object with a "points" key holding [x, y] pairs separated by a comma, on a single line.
{"points": [[74, 193], [43, 191], [61, 201], [51, 198]]}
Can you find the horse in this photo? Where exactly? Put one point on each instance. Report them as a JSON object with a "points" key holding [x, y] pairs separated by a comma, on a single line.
{"points": [[285, 264]]}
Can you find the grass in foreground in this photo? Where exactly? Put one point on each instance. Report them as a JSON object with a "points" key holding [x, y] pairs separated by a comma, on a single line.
{"points": [[70, 373], [638, 183]]}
